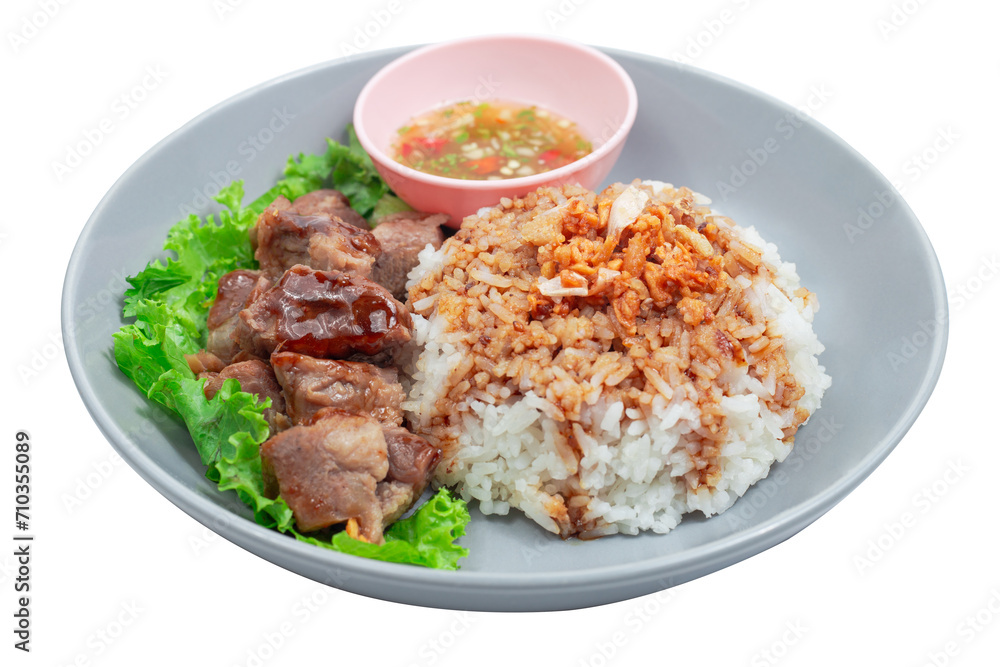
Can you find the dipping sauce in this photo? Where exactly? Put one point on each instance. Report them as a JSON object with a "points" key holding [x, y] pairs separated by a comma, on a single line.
{"points": [[489, 141]]}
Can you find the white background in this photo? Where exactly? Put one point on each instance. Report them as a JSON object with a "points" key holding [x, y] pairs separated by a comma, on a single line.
{"points": [[122, 577]]}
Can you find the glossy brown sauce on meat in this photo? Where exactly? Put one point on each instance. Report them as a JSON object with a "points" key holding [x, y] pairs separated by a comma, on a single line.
{"points": [[234, 289], [329, 314]]}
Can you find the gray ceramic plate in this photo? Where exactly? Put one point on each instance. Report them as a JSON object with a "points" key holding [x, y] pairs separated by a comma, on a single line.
{"points": [[857, 245]]}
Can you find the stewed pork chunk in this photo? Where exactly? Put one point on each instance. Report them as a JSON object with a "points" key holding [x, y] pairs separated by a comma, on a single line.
{"points": [[412, 461], [402, 236], [323, 314], [204, 361], [411, 458], [312, 384], [328, 472], [285, 238], [328, 202], [236, 290]]}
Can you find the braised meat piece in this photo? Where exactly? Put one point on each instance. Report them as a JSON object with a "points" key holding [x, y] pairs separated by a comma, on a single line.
{"points": [[280, 203], [328, 472], [402, 236], [394, 498], [312, 384], [323, 314], [204, 362], [285, 238], [328, 202], [236, 290], [412, 461], [255, 377]]}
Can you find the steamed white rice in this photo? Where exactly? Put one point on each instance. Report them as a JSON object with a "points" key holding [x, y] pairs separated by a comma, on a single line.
{"points": [[562, 441]]}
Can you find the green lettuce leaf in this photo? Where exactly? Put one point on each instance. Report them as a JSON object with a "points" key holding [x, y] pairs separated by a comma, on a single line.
{"points": [[427, 537], [388, 204], [227, 430], [204, 251], [170, 301], [343, 167], [354, 174]]}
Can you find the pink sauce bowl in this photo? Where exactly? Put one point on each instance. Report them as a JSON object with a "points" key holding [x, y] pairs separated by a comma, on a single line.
{"points": [[575, 81]]}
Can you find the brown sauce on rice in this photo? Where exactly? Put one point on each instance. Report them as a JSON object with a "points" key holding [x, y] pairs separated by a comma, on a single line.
{"points": [[549, 294]]}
